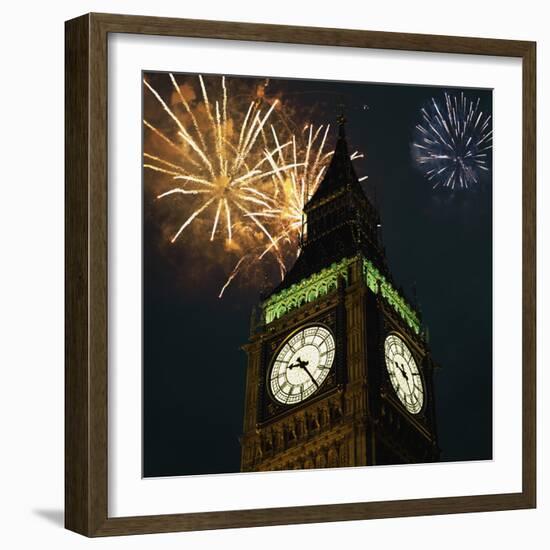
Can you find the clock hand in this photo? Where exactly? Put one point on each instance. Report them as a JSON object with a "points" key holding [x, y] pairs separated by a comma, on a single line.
{"points": [[303, 365], [295, 365], [299, 363], [402, 370], [311, 376], [405, 375]]}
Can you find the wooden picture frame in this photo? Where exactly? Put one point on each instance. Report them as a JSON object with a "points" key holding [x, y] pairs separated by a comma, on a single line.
{"points": [[86, 359]]}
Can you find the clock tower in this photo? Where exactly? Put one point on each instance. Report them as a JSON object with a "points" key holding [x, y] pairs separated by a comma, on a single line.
{"points": [[339, 369]]}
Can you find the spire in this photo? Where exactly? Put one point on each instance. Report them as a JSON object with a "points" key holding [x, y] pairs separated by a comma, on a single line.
{"points": [[340, 222], [341, 119], [340, 173]]}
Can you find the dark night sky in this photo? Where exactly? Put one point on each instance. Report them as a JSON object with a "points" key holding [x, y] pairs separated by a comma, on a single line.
{"points": [[438, 241]]}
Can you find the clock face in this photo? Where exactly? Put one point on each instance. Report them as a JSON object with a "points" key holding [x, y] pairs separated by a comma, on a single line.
{"points": [[302, 364], [404, 374]]}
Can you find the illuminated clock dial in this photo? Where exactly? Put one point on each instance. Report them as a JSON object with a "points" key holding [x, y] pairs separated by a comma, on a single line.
{"points": [[404, 374], [302, 364]]}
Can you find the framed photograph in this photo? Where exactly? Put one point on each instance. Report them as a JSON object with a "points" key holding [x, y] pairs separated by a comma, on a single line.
{"points": [[300, 275]]}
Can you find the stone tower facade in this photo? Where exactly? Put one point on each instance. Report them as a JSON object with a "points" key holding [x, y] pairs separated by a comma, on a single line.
{"points": [[339, 370]]}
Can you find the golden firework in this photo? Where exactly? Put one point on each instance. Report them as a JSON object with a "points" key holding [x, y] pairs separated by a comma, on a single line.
{"points": [[227, 172], [245, 172]]}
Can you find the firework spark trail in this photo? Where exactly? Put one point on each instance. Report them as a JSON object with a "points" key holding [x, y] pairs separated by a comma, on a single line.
{"points": [[301, 182], [228, 217], [452, 142], [192, 216], [182, 131], [189, 111], [232, 276], [216, 220]]}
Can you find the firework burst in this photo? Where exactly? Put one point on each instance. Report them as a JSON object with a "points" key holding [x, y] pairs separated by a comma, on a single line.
{"points": [[220, 159], [245, 173], [452, 142]]}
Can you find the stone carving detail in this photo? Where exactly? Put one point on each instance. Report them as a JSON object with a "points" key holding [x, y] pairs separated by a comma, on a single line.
{"points": [[298, 429], [258, 453], [313, 422], [379, 284], [279, 440], [323, 417], [320, 460], [332, 458], [336, 412], [305, 291], [327, 455], [291, 432]]}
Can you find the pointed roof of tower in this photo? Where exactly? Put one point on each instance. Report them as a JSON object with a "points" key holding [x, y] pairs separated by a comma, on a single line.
{"points": [[340, 173], [340, 232]]}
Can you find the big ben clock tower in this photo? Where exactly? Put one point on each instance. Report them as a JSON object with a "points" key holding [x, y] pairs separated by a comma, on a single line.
{"points": [[339, 372]]}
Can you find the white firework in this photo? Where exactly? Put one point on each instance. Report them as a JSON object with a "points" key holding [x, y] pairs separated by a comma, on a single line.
{"points": [[453, 141]]}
